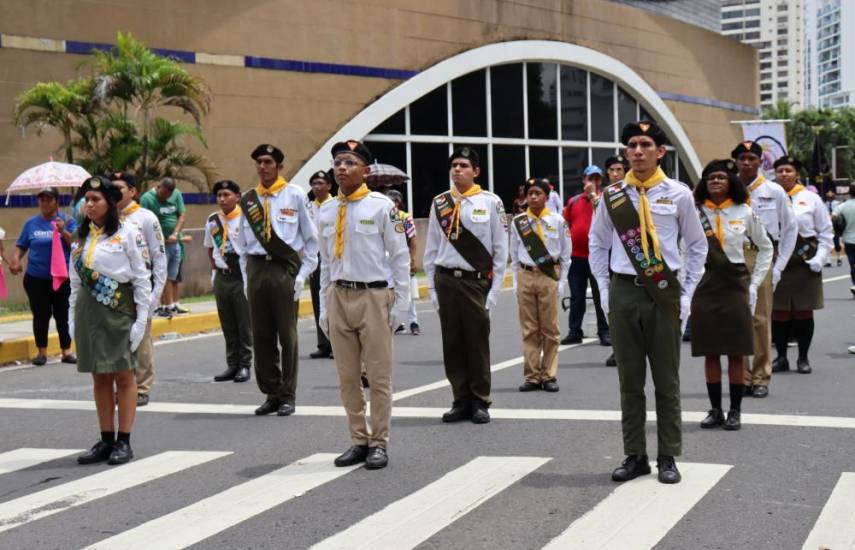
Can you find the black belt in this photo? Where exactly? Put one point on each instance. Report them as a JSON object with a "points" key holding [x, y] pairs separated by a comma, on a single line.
{"points": [[634, 278], [462, 273], [228, 271], [356, 284], [266, 257]]}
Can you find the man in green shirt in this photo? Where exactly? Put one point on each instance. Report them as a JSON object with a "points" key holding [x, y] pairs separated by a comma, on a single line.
{"points": [[846, 211], [167, 203]]}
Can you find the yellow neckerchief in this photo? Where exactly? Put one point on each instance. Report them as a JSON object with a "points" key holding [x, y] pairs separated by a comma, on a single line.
{"points": [[94, 233], [797, 188], [343, 199], [326, 200], [719, 226], [226, 217], [538, 221], [271, 191], [645, 217], [130, 209], [455, 214], [758, 181]]}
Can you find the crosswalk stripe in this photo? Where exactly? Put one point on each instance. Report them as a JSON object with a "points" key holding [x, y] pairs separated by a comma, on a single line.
{"points": [[639, 513], [217, 513], [835, 527], [74, 493], [19, 459], [410, 521]]}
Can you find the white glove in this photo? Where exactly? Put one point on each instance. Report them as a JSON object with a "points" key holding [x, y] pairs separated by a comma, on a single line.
{"points": [[685, 311], [299, 283], [213, 276], [776, 277], [604, 301], [492, 299], [71, 327], [561, 286], [514, 286], [433, 298], [324, 322], [815, 264], [752, 297], [394, 316], [137, 333]]}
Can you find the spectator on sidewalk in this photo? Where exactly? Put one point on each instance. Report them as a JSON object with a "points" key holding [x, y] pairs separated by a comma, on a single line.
{"points": [[844, 215], [167, 203]]}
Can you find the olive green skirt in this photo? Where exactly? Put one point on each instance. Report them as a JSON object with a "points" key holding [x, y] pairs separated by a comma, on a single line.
{"points": [[721, 314], [102, 336], [799, 289]]}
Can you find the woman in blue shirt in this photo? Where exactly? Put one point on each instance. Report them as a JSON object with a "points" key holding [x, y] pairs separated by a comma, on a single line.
{"points": [[36, 239]]}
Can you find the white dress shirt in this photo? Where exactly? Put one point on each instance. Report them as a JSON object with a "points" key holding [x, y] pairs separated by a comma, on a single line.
{"points": [[740, 224], [553, 202], [771, 204], [483, 215], [556, 239], [291, 222], [154, 252], [813, 221], [675, 217], [234, 227], [374, 243]]}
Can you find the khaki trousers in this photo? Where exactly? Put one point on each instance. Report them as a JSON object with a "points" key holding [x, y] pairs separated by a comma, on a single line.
{"points": [[145, 362], [360, 335], [758, 371], [537, 296]]}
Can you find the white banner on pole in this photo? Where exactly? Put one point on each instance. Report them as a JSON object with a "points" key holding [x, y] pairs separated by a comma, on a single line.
{"points": [[771, 136]]}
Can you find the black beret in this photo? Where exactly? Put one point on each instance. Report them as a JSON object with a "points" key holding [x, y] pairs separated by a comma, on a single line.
{"points": [[322, 175], [643, 128], [617, 159], [125, 177], [747, 147], [355, 148], [267, 149], [104, 186], [467, 153], [226, 184], [719, 165], [542, 183], [792, 161]]}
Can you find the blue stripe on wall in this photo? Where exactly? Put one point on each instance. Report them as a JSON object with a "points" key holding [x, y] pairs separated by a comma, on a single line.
{"points": [[329, 68]]}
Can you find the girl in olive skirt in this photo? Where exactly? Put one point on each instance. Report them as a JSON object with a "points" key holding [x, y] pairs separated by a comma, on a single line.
{"points": [[110, 295]]}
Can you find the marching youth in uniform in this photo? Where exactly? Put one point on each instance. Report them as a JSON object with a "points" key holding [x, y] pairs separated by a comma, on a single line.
{"points": [[109, 311], [635, 232], [362, 238], [540, 260], [221, 231], [724, 300], [772, 206], [800, 289], [278, 248], [154, 254], [410, 234], [464, 262], [321, 184]]}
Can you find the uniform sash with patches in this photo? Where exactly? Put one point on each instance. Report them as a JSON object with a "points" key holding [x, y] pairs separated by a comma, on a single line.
{"points": [[232, 260], [718, 265], [655, 275], [276, 248], [804, 250], [536, 248], [106, 291], [716, 256], [466, 244]]}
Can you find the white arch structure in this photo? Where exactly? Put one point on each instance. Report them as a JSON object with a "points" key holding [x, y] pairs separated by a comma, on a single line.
{"points": [[497, 54]]}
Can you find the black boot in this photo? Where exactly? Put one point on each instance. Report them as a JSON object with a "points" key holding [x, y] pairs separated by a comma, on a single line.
{"points": [[780, 337], [803, 329], [732, 423], [714, 419], [228, 374], [460, 410], [632, 467]]}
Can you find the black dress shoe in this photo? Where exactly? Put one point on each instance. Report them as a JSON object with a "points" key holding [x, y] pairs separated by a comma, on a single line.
{"points": [[780, 364], [242, 375], [400, 329], [529, 386], [732, 423], [285, 409], [414, 329], [71, 359], [320, 354], [98, 453], [354, 455], [40, 360], [458, 412], [551, 386], [760, 391], [611, 361], [142, 399], [228, 374], [803, 366], [748, 391], [570, 339], [376, 459], [632, 467], [269, 406], [122, 453], [605, 341], [480, 414], [668, 472], [714, 419]]}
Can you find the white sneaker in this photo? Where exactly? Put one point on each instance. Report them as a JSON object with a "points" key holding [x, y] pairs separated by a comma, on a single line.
{"points": [[851, 349]]}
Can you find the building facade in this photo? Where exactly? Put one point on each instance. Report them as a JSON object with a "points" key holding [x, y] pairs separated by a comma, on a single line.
{"points": [[703, 13], [831, 53]]}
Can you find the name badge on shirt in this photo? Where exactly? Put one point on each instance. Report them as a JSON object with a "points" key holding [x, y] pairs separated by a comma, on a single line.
{"points": [[480, 215], [287, 215], [664, 200]]}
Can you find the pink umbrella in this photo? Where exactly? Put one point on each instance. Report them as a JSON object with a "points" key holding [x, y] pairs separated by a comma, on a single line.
{"points": [[49, 174]]}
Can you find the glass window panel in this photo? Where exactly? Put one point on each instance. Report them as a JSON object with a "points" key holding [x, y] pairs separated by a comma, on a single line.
{"points": [[669, 164], [395, 124], [684, 174], [541, 82], [429, 174], [574, 161], [543, 163], [391, 153], [508, 172], [469, 105], [599, 156], [506, 100], [429, 114], [574, 94], [627, 109], [602, 109]]}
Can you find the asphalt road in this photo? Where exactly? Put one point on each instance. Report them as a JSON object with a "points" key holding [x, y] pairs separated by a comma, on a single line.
{"points": [[232, 480]]}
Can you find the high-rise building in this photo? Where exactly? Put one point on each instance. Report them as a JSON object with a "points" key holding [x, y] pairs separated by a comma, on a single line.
{"points": [[830, 53], [777, 29]]}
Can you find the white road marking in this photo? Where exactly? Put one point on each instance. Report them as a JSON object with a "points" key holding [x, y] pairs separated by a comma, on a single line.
{"points": [[35, 506], [639, 513], [215, 514], [23, 458], [835, 527], [403, 394], [838, 278], [408, 522]]}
